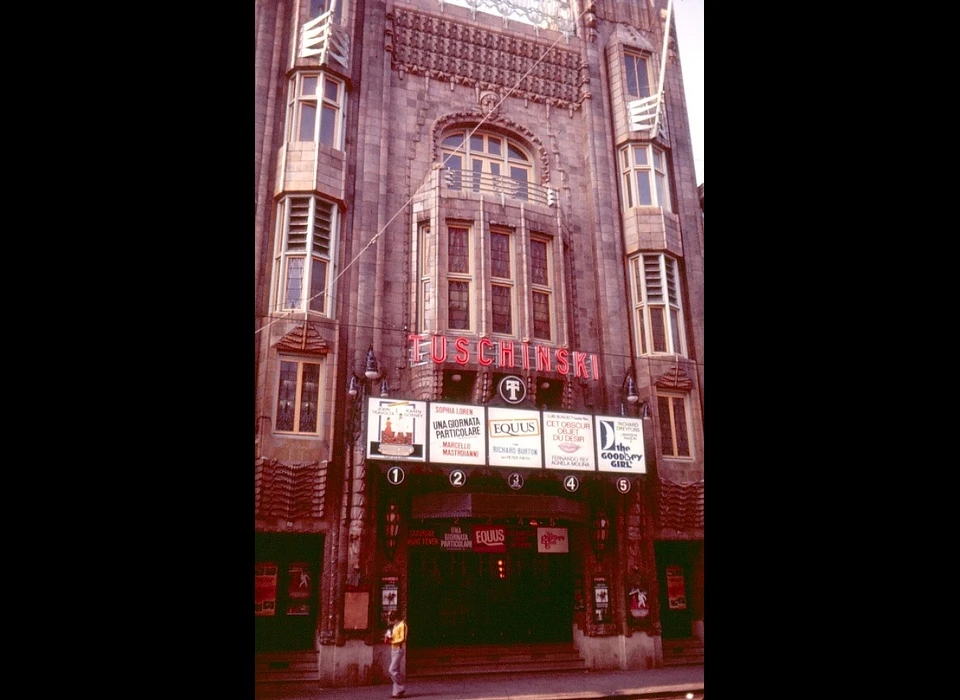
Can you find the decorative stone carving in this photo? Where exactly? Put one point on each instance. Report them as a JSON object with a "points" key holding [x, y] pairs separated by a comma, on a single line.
{"points": [[445, 50]]}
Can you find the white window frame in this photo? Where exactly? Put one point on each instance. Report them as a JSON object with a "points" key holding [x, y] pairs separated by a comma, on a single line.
{"points": [[655, 285], [321, 103], [653, 172], [631, 59], [295, 391], [300, 238], [667, 403], [496, 171]]}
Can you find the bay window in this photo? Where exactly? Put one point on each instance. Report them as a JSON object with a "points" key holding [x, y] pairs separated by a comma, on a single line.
{"points": [[308, 228], [658, 311], [316, 109], [643, 176]]}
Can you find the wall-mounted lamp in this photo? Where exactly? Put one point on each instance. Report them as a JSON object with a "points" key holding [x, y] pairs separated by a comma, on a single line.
{"points": [[645, 411], [352, 388], [632, 395], [372, 370], [384, 387], [601, 528], [391, 528]]}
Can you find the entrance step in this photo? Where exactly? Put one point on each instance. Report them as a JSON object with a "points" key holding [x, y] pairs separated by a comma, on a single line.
{"points": [[682, 652], [286, 666], [507, 658]]}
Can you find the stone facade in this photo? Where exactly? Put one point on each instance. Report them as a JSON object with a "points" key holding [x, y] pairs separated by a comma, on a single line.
{"points": [[412, 74]]}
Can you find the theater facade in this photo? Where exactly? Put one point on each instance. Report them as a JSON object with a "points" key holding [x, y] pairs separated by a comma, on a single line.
{"points": [[479, 338]]}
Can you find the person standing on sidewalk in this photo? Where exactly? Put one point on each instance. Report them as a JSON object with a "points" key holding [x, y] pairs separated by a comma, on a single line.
{"points": [[397, 636]]}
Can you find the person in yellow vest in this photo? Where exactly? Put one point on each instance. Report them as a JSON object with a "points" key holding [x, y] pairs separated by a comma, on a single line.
{"points": [[397, 636]]}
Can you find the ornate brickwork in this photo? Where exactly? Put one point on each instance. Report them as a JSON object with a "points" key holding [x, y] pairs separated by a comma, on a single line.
{"points": [[289, 490], [681, 505], [305, 339], [676, 378], [425, 44]]}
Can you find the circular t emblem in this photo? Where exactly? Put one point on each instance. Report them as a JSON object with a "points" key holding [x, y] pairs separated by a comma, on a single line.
{"points": [[512, 389]]}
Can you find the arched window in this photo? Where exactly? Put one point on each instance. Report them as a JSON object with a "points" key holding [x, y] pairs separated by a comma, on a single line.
{"points": [[487, 162]]}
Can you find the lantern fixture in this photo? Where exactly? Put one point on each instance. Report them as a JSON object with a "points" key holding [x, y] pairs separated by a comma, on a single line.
{"points": [[601, 529], [391, 528], [372, 370]]}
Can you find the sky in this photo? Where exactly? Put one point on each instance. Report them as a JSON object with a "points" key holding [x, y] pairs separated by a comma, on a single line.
{"points": [[688, 19]]}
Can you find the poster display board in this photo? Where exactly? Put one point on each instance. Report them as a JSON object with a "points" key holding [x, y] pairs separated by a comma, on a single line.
{"points": [[396, 429], [601, 599], [265, 589], [299, 589], [568, 442], [514, 438], [456, 433], [620, 444]]}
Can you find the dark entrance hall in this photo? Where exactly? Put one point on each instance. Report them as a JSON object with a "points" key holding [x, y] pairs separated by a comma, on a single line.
{"points": [[465, 597]]}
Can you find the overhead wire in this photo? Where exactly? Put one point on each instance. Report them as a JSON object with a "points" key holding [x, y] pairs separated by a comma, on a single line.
{"points": [[404, 206]]}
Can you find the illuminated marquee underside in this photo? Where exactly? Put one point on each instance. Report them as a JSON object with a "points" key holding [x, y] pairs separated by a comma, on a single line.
{"points": [[503, 354]]}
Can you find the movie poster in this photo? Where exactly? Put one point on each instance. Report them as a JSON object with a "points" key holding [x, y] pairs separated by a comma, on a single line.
{"points": [[676, 589], [265, 589]]}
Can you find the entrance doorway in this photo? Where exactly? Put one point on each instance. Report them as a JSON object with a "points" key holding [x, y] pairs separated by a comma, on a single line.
{"points": [[677, 563], [286, 591], [467, 598]]}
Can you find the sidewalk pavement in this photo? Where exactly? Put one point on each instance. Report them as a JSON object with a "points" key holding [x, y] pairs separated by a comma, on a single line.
{"points": [[668, 682]]}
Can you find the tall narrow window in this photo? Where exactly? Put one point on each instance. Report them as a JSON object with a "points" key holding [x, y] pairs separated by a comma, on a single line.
{"points": [[638, 79], [674, 428], [428, 269], [459, 278], [502, 281], [298, 397], [316, 109], [643, 176], [307, 228], [541, 280], [657, 305]]}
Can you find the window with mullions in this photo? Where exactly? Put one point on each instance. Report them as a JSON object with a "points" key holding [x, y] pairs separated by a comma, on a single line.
{"points": [[637, 74], [485, 162], [502, 280], [459, 278], [657, 305], [674, 426], [541, 286], [307, 227], [298, 397], [643, 175], [316, 109]]}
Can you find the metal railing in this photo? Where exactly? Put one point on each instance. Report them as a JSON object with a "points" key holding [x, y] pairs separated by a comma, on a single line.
{"points": [[499, 186]]}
